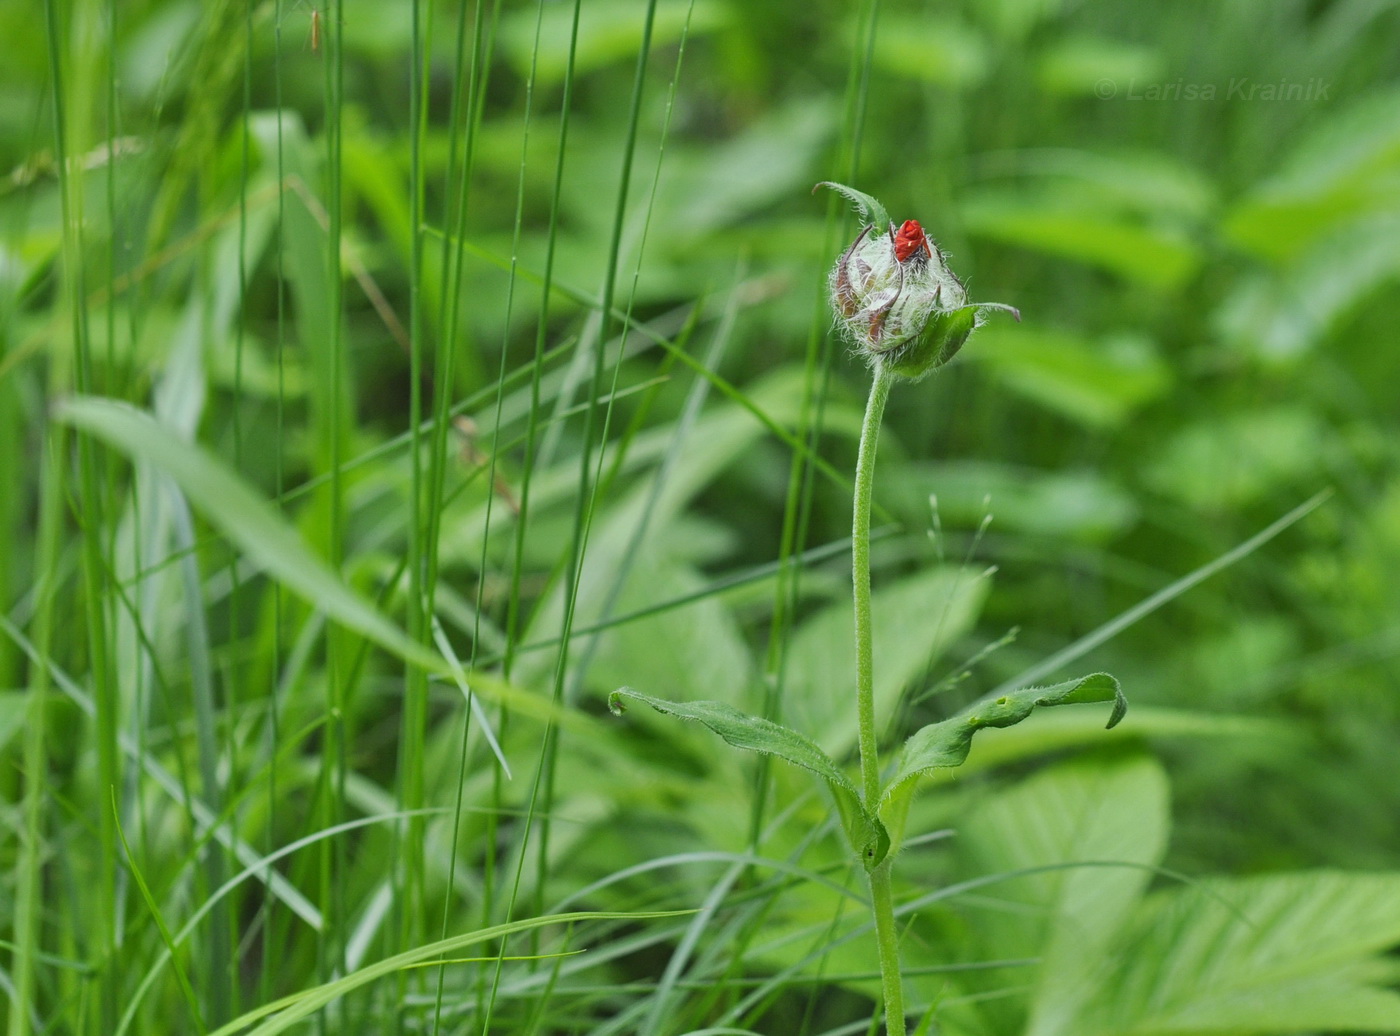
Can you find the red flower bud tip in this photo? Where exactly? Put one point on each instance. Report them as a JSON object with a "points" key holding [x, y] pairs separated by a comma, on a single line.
{"points": [[910, 240]]}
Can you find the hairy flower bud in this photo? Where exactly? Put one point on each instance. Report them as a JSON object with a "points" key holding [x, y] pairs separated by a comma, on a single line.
{"points": [[895, 297]]}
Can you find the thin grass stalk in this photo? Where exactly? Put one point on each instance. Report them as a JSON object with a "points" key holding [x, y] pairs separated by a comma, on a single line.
{"points": [[408, 869], [487, 998], [70, 129], [587, 498], [329, 433], [29, 867], [694, 400], [271, 917], [452, 263], [542, 791]]}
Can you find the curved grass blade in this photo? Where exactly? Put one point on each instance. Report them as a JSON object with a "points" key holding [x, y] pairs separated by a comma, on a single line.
{"points": [[291, 1009]]}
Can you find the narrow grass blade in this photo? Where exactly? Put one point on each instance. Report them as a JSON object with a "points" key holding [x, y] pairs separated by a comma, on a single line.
{"points": [[478, 714], [1111, 629], [292, 1009], [190, 999]]}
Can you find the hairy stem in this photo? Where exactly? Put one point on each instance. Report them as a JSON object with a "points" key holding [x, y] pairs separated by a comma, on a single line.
{"points": [[881, 900], [882, 905], [860, 576]]}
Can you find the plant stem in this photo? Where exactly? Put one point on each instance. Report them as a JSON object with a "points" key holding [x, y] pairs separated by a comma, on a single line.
{"points": [[860, 577], [887, 938], [881, 899]]}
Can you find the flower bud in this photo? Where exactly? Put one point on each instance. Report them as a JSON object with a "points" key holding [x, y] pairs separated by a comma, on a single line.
{"points": [[896, 299]]}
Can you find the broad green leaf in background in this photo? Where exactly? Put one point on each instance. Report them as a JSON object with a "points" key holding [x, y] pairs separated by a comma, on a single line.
{"points": [[914, 619], [1222, 463], [1096, 384], [1077, 227], [1347, 170], [1081, 505], [249, 521], [755, 734], [930, 48], [1076, 66], [717, 185], [703, 632], [1288, 953], [694, 651], [1015, 19], [1284, 315], [1109, 816], [1151, 184]]}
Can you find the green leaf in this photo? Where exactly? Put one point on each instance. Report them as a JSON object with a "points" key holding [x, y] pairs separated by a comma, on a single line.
{"points": [[1077, 843], [249, 521], [1282, 953], [946, 744], [1342, 173], [1224, 463], [755, 734], [1074, 225], [1077, 65], [1073, 504], [1095, 383], [871, 210], [927, 48], [721, 183], [1046, 732], [692, 651], [1282, 316]]}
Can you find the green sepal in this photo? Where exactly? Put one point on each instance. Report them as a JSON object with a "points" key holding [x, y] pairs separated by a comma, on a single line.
{"points": [[946, 744], [945, 333], [871, 210], [867, 835], [939, 342]]}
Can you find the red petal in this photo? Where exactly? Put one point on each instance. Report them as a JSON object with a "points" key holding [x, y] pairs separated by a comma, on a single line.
{"points": [[909, 240]]}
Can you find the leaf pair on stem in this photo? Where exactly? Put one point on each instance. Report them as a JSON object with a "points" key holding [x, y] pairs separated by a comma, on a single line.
{"points": [[906, 314]]}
